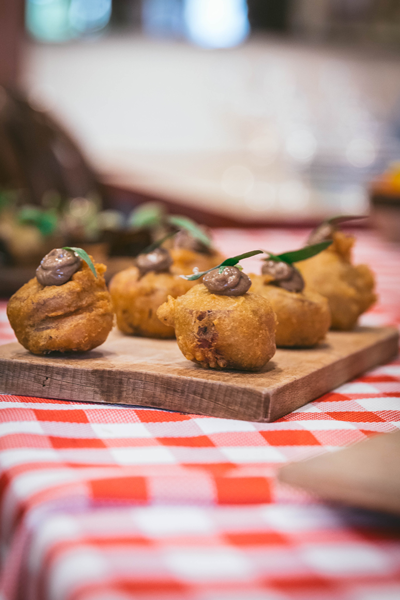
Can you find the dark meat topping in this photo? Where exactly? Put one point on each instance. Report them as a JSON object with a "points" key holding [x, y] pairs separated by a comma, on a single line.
{"points": [[57, 267], [284, 275], [231, 282], [158, 261]]}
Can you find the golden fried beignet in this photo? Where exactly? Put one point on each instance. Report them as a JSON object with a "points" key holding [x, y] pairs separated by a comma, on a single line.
{"points": [[75, 316], [349, 289], [222, 332], [189, 252], [136, 300], [185, 260], [303, 317]]}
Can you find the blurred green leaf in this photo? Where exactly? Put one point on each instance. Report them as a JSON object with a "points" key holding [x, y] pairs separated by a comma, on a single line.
{"points": [[150, 214], [45, 220], [4, 200], [191, 227], [159, 242]]}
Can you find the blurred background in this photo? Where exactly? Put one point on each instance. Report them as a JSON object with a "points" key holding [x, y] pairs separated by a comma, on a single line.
{"points": [[232, 112]]}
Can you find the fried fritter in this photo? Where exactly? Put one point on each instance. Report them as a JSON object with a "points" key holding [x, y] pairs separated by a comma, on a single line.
{"points": [[222, 332], [349, 289], [185, 260], [136, 300], [303, 317], [76, 316]]}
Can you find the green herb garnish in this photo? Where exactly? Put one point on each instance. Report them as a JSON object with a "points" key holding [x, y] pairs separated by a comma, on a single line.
{"points": [[5, 200], [150, 214], [191, 227], [158, 243], [45, 220], [288, 257], [229, 262], [84, 256], [299, 255]]}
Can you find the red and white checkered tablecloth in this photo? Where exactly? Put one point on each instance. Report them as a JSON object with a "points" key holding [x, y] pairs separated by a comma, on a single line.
{"points": [[109, 503]]}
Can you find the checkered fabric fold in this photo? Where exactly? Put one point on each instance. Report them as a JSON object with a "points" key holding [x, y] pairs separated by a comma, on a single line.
{"points": [[101, 502]]}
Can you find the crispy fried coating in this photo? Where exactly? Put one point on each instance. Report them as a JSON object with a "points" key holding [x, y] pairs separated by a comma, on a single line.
{"points": [[303, 318], [349, 289], [222, 332], [185, 260], [136, 300], [74, 317]]}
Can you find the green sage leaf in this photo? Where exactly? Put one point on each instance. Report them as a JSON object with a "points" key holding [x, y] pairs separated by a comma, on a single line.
{"points": [[5, 200], [191, 227], [272, 256], [84, 256], [229, 262], [159, 242], [302, 254], [150, 214], [45, 220]]}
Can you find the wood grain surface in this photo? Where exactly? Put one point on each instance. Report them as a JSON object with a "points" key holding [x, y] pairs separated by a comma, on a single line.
{"points": [[366, 474], [154, 373]]}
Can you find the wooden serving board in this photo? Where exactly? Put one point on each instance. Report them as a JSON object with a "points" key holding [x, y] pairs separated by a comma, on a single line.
{"points": [[154, 373]]}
